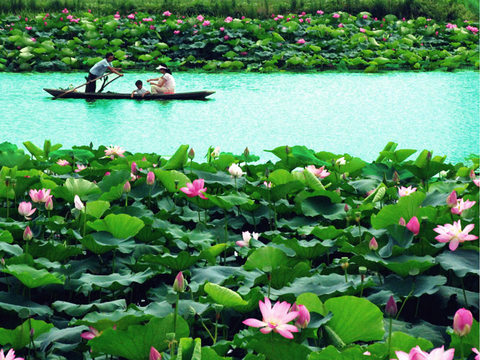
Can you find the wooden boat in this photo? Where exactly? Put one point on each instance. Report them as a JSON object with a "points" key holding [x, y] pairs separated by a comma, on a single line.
{"points": [[194, 95]]}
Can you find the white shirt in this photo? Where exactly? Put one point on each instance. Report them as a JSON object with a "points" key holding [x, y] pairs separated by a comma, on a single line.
{"points": [[140, 91], [169, 82], [100, 67]]}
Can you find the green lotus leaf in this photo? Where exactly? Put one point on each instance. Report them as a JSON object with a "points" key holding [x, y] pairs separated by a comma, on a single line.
{"points": [[417, 286], [97, 208], [312, 303], [462, 262], [14, 249], [82, 309], [213, 251], [16, 303], [53, 251], [121, 226], [173, 180], [330, 352], [224, 296], [178, 160], [79, 154], [179, 262], [20, 337], [355, 319], [278, 347], [6, 236], [96, 245], [134, 343], [88, 282], [72, 187], [31, 277], [190, 349], [230, 200], [322, 206], [405, 265], [406, 207], [265, 259]]}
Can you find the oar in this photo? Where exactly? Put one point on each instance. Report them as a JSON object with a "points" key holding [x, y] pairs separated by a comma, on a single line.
{"points": [[79, 86], [105, 85]]}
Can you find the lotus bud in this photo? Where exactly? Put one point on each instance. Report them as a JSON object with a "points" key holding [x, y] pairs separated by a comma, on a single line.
{"points": [[303, 318], [246, 152], [49, 204], [150, 178], [78, 203], [452, 199], [402, 222], [429, 156], [268, 185], [179, 283], [442, 174], [344, 263], [127, 187], [472, 174], [346, 208], [413, 225], [235, 170], [287, 150], [2, 261], [396, 177], [134, 167], [32, 332], [154, 354], [107, 173], [191, 154], [462, 322], [373, 245], [358, 216], [341, 161], [391, 307], [27, 234]]}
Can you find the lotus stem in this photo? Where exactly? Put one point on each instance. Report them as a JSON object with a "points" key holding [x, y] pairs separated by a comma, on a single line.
{"points": [[176, 314], [208, 331], [126, 199], [404, 301], [389, 336], [461, 347], [8, 202], [269, 276], [216, 328]]}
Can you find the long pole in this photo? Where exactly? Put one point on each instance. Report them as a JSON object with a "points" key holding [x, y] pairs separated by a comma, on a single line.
{"points": [[79, 86]]}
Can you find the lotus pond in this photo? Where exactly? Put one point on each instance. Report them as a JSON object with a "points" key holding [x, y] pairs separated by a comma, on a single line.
{"points": [[112, 254], [335, 111]]}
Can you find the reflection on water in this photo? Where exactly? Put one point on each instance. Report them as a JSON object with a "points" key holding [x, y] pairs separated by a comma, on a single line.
{"points": [[354, 113]]}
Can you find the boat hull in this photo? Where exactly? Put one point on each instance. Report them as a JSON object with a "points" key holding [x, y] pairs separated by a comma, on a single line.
{"points": [[194, 95]]}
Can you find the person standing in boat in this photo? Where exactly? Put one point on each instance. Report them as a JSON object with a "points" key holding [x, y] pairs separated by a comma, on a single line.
{"points": [[99, 69], [165, 84]]}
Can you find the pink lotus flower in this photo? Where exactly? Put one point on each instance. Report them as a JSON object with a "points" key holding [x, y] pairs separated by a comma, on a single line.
{"points": [[301, 41], [25, 209], [276, 318], [133, 167], [228, 19], [476, 182], [405, 191], [414, 225], [113, 151], [28, 27], [10, 355], [150, 178], [475, 350], [365, 16], [226, 37], [88, 335], [206, 23], [246, 237], [373, 245], [176, 32], [221, 28], [78, 203], [62, 162], [200, 18], [336, 16], [417, 354], [461, 206], [452, 199], [147, 19], [131, 16], [80, 167], [462, 322], [152, 27], [401, 221], [340, 25], [65, 11], [33, 39], [154, 354], [167, 13], [303, 318], [453, 234], [27, 234], [320, 173], [116, 16], [179, 21], [127, 187], [39, 196], [451, 26], [195, 189], [362, 30], [320, 12], [268, 185], [70, 17]]}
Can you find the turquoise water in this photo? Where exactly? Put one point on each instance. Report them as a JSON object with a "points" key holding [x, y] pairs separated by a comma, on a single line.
{"points": [[337, 112]]}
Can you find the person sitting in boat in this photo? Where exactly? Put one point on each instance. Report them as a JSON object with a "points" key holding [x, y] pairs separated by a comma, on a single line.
{"points": [[140, 90], [99, 69], [165, 84]]}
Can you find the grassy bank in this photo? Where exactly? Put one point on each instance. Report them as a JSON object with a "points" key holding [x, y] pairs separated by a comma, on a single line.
{"points": [[438, 9]]}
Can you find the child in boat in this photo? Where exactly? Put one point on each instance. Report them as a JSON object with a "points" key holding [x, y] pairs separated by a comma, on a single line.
{"points": [[165, 84], [140, 90]]}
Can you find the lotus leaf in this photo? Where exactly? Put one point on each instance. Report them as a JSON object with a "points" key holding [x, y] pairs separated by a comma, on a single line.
{"points": [[31, 277], [224, 296], [121, 226], [18, 304], [266, 259], [135, 342], [21, 336], [462, 262]]}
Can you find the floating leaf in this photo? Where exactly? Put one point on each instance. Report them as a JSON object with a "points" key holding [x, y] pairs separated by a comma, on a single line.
{"points": [[266, 259], [31, 277], [121, 226], [224, 296]]}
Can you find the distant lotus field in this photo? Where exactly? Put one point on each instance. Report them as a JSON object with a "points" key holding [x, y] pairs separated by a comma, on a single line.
{"points": [[108, 254], [298, 42]]}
